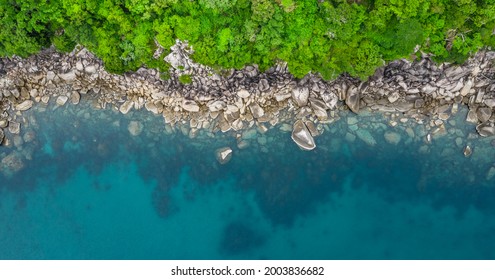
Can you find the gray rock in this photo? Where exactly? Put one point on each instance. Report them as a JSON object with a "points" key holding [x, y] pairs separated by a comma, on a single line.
{"points": [[467, 87], [135, 128], [302, 136], [61, 100], [243, 93], [486, 129], [2, 136], [190, 106], [319, 107], [353, 99], [472, 117], [256, 110], [90, 69], [216, 105], [68, 77], [24, 105], [484, 114], [264, 85], [224, 155], [300, 96]]}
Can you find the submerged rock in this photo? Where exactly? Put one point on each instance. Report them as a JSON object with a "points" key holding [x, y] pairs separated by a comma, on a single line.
{"points": [[11, 164], [135, 128], [392, 137], [2, 136], [302, 136], [224, 155]]}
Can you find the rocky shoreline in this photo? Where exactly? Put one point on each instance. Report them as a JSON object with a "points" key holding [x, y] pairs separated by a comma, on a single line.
{"points": [[236, 101]]}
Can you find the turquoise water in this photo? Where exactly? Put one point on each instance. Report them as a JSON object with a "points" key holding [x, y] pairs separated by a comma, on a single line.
{"points": [[93, 191]]}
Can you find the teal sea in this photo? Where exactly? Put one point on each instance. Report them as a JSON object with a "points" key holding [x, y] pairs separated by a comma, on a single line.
{"points": [[90, 190]]}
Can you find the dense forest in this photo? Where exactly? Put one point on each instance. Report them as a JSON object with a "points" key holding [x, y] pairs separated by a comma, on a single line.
{"points": [[328, 37]]}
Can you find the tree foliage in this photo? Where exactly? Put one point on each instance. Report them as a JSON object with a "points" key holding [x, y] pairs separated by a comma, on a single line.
{"points": [[329, 37]]}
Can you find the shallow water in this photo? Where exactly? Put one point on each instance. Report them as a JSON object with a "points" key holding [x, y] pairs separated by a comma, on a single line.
{"points": [[93, 191]]}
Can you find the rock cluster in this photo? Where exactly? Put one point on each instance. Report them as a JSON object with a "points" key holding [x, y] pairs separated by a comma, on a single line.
{"points": [[235, 101]]}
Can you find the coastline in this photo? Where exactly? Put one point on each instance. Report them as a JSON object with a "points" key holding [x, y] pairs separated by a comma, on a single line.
{"points": [[239, 100]]}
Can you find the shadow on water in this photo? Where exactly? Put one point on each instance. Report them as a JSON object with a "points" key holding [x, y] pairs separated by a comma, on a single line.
{"points": [[238, 238]]}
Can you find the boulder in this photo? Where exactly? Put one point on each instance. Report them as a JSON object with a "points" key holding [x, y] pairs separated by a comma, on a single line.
{"points": [[319, 107], [353, 98], [243, 93], [151, 107], [75, 97], [256, 110], [467, 87], [224, 155], [190, 106], [61, 100], [486, 129], [126, 106], [68, 77], [467, 151], [263, 85], [484, 114], [472, 116], [216, 105], [302, 136], [2, 136], [24, 105], [300, 96]]}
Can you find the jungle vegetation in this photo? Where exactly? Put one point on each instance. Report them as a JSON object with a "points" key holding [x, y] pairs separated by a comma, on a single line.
{"points": [[325, 36]]}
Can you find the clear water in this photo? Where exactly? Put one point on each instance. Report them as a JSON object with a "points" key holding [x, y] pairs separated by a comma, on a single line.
{"points": [[93, 191]]}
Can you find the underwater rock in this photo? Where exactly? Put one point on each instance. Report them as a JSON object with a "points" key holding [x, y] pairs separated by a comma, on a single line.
{"points": [[135, 128], [392, 137], [11, 164], [491, 173], [14, 127], [2, 136], [239, 238], [366, 137], [302, 136], [224, 155]]}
